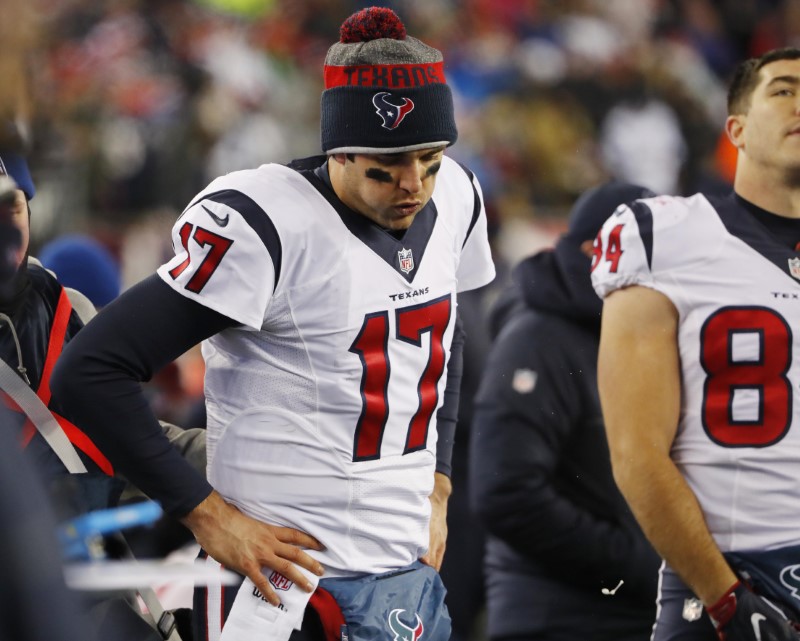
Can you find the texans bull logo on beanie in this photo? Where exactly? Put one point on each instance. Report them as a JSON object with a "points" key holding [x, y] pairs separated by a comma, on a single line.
{"points": [[385, 91]]}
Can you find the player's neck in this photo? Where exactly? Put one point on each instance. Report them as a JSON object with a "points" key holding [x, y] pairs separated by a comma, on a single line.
{"points": [[777, 194]]}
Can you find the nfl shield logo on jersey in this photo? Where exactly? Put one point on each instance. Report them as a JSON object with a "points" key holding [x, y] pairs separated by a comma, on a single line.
{"points": [[279, 582], [407, 260], [794, 267]]}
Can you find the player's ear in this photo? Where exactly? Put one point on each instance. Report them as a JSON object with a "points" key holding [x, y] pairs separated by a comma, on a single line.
{"points": [[340, 158], [734, 128]]}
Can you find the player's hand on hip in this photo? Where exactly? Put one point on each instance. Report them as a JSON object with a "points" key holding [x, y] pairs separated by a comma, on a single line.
{"points": [[742, 615], [246, 545]]}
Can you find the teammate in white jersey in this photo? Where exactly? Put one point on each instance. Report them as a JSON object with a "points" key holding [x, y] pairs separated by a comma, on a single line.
{"points": [[699, 374], [325, 296]]}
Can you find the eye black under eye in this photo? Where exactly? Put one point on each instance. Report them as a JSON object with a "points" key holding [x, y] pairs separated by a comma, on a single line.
{"points": [[434, 169]]}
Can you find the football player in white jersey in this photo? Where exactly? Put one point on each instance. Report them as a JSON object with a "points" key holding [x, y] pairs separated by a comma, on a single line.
{"points": [[699, 374], [324, 294]]}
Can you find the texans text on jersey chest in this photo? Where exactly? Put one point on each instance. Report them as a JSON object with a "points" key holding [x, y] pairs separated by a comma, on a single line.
{"points": [[412, 294]]}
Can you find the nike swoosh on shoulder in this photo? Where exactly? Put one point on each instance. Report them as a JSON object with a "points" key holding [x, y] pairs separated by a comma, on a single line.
{"points": [[217, 219], [755, 620]]}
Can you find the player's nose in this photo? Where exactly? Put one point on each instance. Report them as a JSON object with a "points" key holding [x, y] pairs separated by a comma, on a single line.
{"points": [[411, 177]]}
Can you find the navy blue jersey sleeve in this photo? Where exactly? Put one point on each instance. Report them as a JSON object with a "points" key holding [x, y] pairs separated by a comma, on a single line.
{"points": [[447, 416], [97, 381]]}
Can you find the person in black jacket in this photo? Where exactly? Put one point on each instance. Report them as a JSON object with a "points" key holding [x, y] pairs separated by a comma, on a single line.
{"points": [[38, 317], [565, 559]]}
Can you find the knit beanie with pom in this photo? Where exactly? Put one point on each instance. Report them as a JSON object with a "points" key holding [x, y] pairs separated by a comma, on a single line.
{"points": [[385, 92]]}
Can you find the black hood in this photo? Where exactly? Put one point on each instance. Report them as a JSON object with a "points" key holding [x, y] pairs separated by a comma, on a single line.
{"points": [[554, 281], [558, 281]]}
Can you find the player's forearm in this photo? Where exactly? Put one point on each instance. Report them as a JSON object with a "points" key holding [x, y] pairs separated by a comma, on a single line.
{"points": [[442, 489], [672, 520]]}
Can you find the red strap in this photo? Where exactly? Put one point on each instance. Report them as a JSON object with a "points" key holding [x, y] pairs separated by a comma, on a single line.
{"points": [[330, 614], [84, 444], [58, 333]]}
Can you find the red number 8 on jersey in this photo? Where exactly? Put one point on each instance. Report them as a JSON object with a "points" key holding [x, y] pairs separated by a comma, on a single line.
{"points": [[747, 399]]}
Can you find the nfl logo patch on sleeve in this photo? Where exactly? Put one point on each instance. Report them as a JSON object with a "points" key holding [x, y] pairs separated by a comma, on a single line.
{"points": [[524, 381]]}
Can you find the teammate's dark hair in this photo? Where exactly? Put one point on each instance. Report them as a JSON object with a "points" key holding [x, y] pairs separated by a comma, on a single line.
{"points": [[745, 77]]}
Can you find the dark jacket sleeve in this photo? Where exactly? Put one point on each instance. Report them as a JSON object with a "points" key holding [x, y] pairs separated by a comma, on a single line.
{"points": [[447, 416], [97, 381], [540, 473]]}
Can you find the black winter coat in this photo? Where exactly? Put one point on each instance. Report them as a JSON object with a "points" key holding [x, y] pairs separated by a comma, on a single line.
{"points": [[560, 532]]}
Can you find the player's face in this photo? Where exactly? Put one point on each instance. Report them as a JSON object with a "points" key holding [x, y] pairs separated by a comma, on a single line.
{"points": [[770, 132], [16, 215], [389, 189]]}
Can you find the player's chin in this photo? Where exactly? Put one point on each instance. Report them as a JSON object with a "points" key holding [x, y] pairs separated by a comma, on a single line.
{"points": [[398, 222]]}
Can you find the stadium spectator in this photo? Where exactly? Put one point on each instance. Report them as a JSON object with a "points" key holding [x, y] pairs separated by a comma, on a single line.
{"points": [[325, 292], [698, 373], [39, 316]]}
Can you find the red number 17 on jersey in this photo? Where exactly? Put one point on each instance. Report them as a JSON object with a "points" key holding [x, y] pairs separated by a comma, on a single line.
{"points": [[218, 246], [372, 347]]}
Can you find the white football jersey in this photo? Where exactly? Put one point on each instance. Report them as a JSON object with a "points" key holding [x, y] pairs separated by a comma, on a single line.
{"points": [[322, 404], [737, 293]]}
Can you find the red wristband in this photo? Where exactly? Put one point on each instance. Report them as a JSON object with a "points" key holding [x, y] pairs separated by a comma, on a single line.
{"points": [[722, 611]]}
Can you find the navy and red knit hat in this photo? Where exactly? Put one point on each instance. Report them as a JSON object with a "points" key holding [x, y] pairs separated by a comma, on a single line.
{"points": [[385, 91]]}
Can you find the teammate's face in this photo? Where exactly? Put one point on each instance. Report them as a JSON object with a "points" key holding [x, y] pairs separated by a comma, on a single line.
{"points": [[16, 215], [769, 133], [389, 189]]}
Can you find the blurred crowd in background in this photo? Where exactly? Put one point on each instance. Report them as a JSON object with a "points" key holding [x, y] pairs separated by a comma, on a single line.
{"points": [[140, 103], [135, 105]]}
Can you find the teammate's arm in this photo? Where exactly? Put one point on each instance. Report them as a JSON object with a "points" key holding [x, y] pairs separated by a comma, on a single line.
{"points": [[640, 392]]}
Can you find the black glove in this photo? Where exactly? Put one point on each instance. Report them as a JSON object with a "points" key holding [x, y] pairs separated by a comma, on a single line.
{"points": [[742, 615]]}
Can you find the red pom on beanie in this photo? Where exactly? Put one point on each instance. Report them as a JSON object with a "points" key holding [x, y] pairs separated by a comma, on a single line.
{"points": [[371, 24]]}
